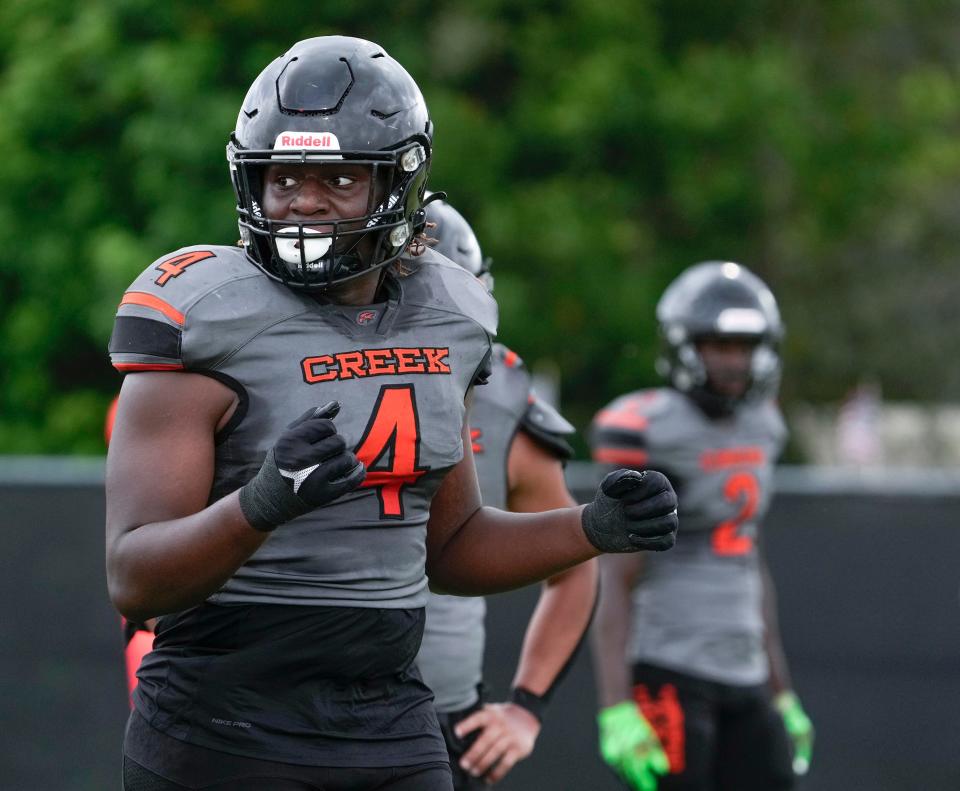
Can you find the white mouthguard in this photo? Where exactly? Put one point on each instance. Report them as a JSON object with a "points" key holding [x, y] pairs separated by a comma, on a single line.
{"points": [[289, 248]]}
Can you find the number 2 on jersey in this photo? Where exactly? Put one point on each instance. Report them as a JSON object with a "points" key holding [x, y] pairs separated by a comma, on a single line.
{"points": [[741, 487], [390, 448]]}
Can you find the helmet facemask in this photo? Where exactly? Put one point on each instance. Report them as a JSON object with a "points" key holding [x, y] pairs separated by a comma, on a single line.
{"points": [[720, 301], [683, 364], [316, 254]]}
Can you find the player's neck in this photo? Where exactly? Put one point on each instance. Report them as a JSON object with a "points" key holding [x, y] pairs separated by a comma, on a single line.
{"points": [[359, 291]]}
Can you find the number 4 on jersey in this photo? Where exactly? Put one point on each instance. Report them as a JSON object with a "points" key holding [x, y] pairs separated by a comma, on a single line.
{"points": [[390, 448]]}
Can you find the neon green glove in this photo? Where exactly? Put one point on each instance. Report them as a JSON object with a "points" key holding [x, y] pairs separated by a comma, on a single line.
{"points": [[799, 728], [630, 747]]}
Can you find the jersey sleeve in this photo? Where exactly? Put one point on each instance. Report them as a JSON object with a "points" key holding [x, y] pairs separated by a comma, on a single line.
{"points": [[147, 334], [187, 310], [447, 287], [548, 427], [534, 416], [620, 432], [151, 319]]}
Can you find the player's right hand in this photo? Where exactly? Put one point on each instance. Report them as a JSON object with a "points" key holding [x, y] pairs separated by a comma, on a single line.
{"points": [[308, 467], [632, 511], [505, 734], [630, 746], [799, 728]]}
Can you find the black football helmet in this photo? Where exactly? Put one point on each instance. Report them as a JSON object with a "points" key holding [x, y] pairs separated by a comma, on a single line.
{"points": [[456, 240], [332, 98], [718, 299]]}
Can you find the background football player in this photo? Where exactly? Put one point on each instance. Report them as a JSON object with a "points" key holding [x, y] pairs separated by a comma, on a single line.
{"points": [[699, 625], [287, 555], [519, 445]]}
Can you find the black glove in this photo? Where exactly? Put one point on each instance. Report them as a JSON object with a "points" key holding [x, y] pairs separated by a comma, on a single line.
{"points": [[309, 466], [632, 511]]}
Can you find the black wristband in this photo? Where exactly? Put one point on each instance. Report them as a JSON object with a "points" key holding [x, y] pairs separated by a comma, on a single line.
{"points": [[267, 500], [526, 699]]}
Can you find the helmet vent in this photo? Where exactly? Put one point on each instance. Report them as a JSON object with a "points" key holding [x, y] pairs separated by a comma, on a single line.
{"points": [[252, 113], [300, 93], [377, 55], [383, 116]]}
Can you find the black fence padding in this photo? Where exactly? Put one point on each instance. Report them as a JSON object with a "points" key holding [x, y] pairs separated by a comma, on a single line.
{"points": [[869, 609], [63, 699], [868, 599]]}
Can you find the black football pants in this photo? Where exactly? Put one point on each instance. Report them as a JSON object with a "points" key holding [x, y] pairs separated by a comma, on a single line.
{"points": [[718, 737], [199, 769]]}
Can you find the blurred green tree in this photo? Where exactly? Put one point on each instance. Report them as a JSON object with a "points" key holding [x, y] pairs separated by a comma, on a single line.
{"points": [[597, 147]]}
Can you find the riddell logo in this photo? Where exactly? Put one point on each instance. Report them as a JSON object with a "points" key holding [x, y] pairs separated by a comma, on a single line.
{"points": [[366, 316], [326, 141]]}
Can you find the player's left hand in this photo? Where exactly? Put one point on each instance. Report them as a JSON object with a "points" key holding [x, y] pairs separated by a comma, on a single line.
{"points": [[799, 728], [632, 511], [507, 735]]}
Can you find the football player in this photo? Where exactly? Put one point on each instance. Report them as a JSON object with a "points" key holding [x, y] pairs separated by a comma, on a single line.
{"points": [[519, 446], [290, 454], [698, 626]]}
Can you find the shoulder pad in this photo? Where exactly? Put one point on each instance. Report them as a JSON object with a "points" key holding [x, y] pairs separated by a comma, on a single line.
{"points": [[484, 370], [508, 358], [769, 412], [635, 411], [508, 386], [437, 283], [184, 276], [164, 321], [548, 427], [619, 432]]}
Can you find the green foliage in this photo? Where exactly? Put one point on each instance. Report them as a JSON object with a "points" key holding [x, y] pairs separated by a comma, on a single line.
{"points": [[597, 147]]}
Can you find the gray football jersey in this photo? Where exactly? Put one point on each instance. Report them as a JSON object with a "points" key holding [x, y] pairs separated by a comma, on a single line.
{"points": [[697, 608], [400, 370], [451, 655]]}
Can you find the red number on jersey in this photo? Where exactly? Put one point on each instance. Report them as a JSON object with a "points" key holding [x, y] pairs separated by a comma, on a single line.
{"points": [[176, 266], [390, 447], [740, 487]]}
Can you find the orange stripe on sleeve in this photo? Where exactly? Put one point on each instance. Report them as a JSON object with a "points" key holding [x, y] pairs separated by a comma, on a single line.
{"points": [[150, 301], [621, 418], [624, 456], [148, 366]]}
